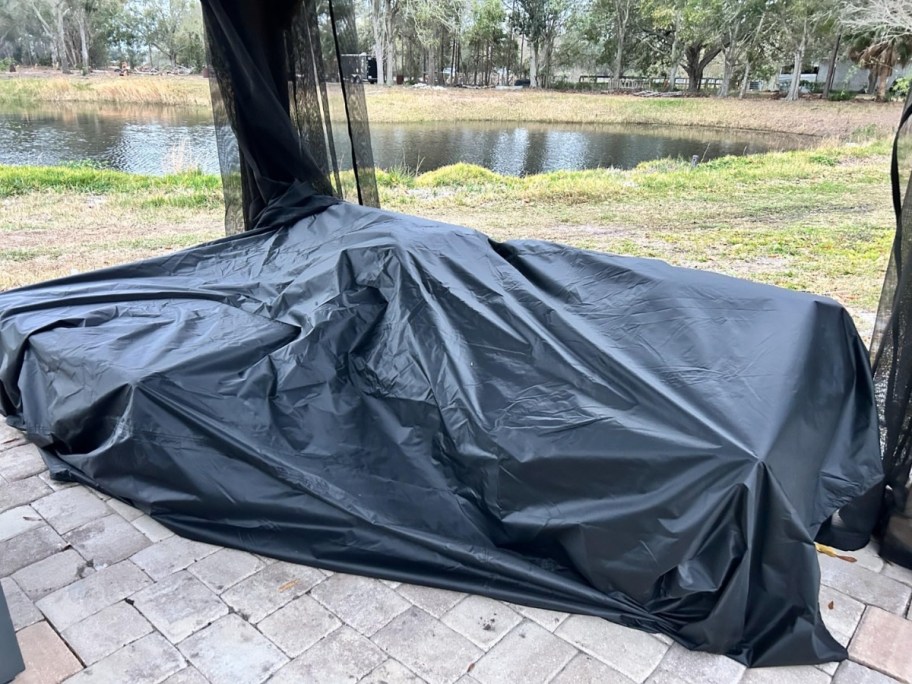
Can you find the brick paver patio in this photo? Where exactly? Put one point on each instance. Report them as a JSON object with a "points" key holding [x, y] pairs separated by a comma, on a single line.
{"points": [[102, 593]]}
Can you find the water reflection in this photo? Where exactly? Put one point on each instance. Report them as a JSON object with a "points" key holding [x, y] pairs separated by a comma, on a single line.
{"points": [[161, 140]]}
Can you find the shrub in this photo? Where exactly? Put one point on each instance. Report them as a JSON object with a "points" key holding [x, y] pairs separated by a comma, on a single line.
{"points": [[900, 88]]}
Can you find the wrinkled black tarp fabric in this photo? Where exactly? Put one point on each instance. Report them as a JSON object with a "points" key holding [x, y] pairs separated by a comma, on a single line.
{"points": [[386, 395]]}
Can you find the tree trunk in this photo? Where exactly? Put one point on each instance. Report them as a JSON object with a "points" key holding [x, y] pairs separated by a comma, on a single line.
{"points": [[728, 71], [619, 54], [883, 76], [390, 60], [83, 40], [432, 64], [831, 72], [533, 65], [61, 38], [745, 82], [795, 85], [692, 67], [675, 51], [378, 26]]}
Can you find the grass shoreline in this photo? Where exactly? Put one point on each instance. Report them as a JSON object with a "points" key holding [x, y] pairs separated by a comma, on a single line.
{"points": [[409, 105], [818, 220]]}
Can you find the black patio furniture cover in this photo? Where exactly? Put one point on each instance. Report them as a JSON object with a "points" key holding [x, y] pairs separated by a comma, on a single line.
{"points": [[391, 396]]}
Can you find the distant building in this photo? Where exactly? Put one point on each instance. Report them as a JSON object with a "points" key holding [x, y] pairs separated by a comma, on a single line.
{"points": [[849, 76]]}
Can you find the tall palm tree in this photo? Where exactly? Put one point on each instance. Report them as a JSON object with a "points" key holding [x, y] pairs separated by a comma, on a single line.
{"points": [[881, 55]]}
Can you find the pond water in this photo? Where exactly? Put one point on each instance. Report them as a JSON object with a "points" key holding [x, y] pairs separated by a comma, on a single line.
{"points": [[161, 140]]}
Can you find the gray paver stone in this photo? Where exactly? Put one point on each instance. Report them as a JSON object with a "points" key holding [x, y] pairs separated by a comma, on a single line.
{"points": [[391, 672], [361, 602], [549, 619], [631, 652], [343, 656], [853, 673], [828, 668], [9, 436], [20, 462], [179, 605], [899, 573], [77, 601], [146, 661], [807, 674], [665, 677], [225, 568], [189, 675], [27, 548], [21, 492], [167, 557], [50, 574], [841, 613], [585, 668], [481, 620], [299, 625], [110, 629], [71, 508], [56, 485], [231, 650], [701, 668], [271, 588], [153, 530], [868, 557], [864, 585], [529, 654], [427, 647], [125, 511], [429, 599], [17, 520], [21, 609], [107, 540]]}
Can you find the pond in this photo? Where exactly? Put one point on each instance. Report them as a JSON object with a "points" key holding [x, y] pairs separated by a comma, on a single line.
{"points": [[160, 140]]}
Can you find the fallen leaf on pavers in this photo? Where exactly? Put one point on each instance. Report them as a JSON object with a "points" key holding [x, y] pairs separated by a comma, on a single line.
{"points": [[831, 605], [827, 551], [288, 585]]}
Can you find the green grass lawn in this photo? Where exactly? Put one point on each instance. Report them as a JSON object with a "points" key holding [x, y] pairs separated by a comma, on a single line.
{"points": [[818, 220]]}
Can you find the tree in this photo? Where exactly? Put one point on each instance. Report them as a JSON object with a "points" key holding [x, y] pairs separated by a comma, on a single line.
{"points": [[804, 25], [887, 18], [697, 32], [743, 22], [881, 56], [485, 35], [383, 18], [165, 24], [540, 21], [608, 23], [430, 22]]}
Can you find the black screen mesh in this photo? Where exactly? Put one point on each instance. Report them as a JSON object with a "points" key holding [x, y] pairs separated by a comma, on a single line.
{"points": [[289, 107], [892, 343]]}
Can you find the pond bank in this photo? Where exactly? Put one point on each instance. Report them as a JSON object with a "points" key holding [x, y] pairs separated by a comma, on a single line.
{"points": [[817, 220], [405, 104]]}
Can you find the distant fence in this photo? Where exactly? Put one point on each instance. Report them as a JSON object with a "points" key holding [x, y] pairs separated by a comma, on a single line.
{"points": [[635, 84]]}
